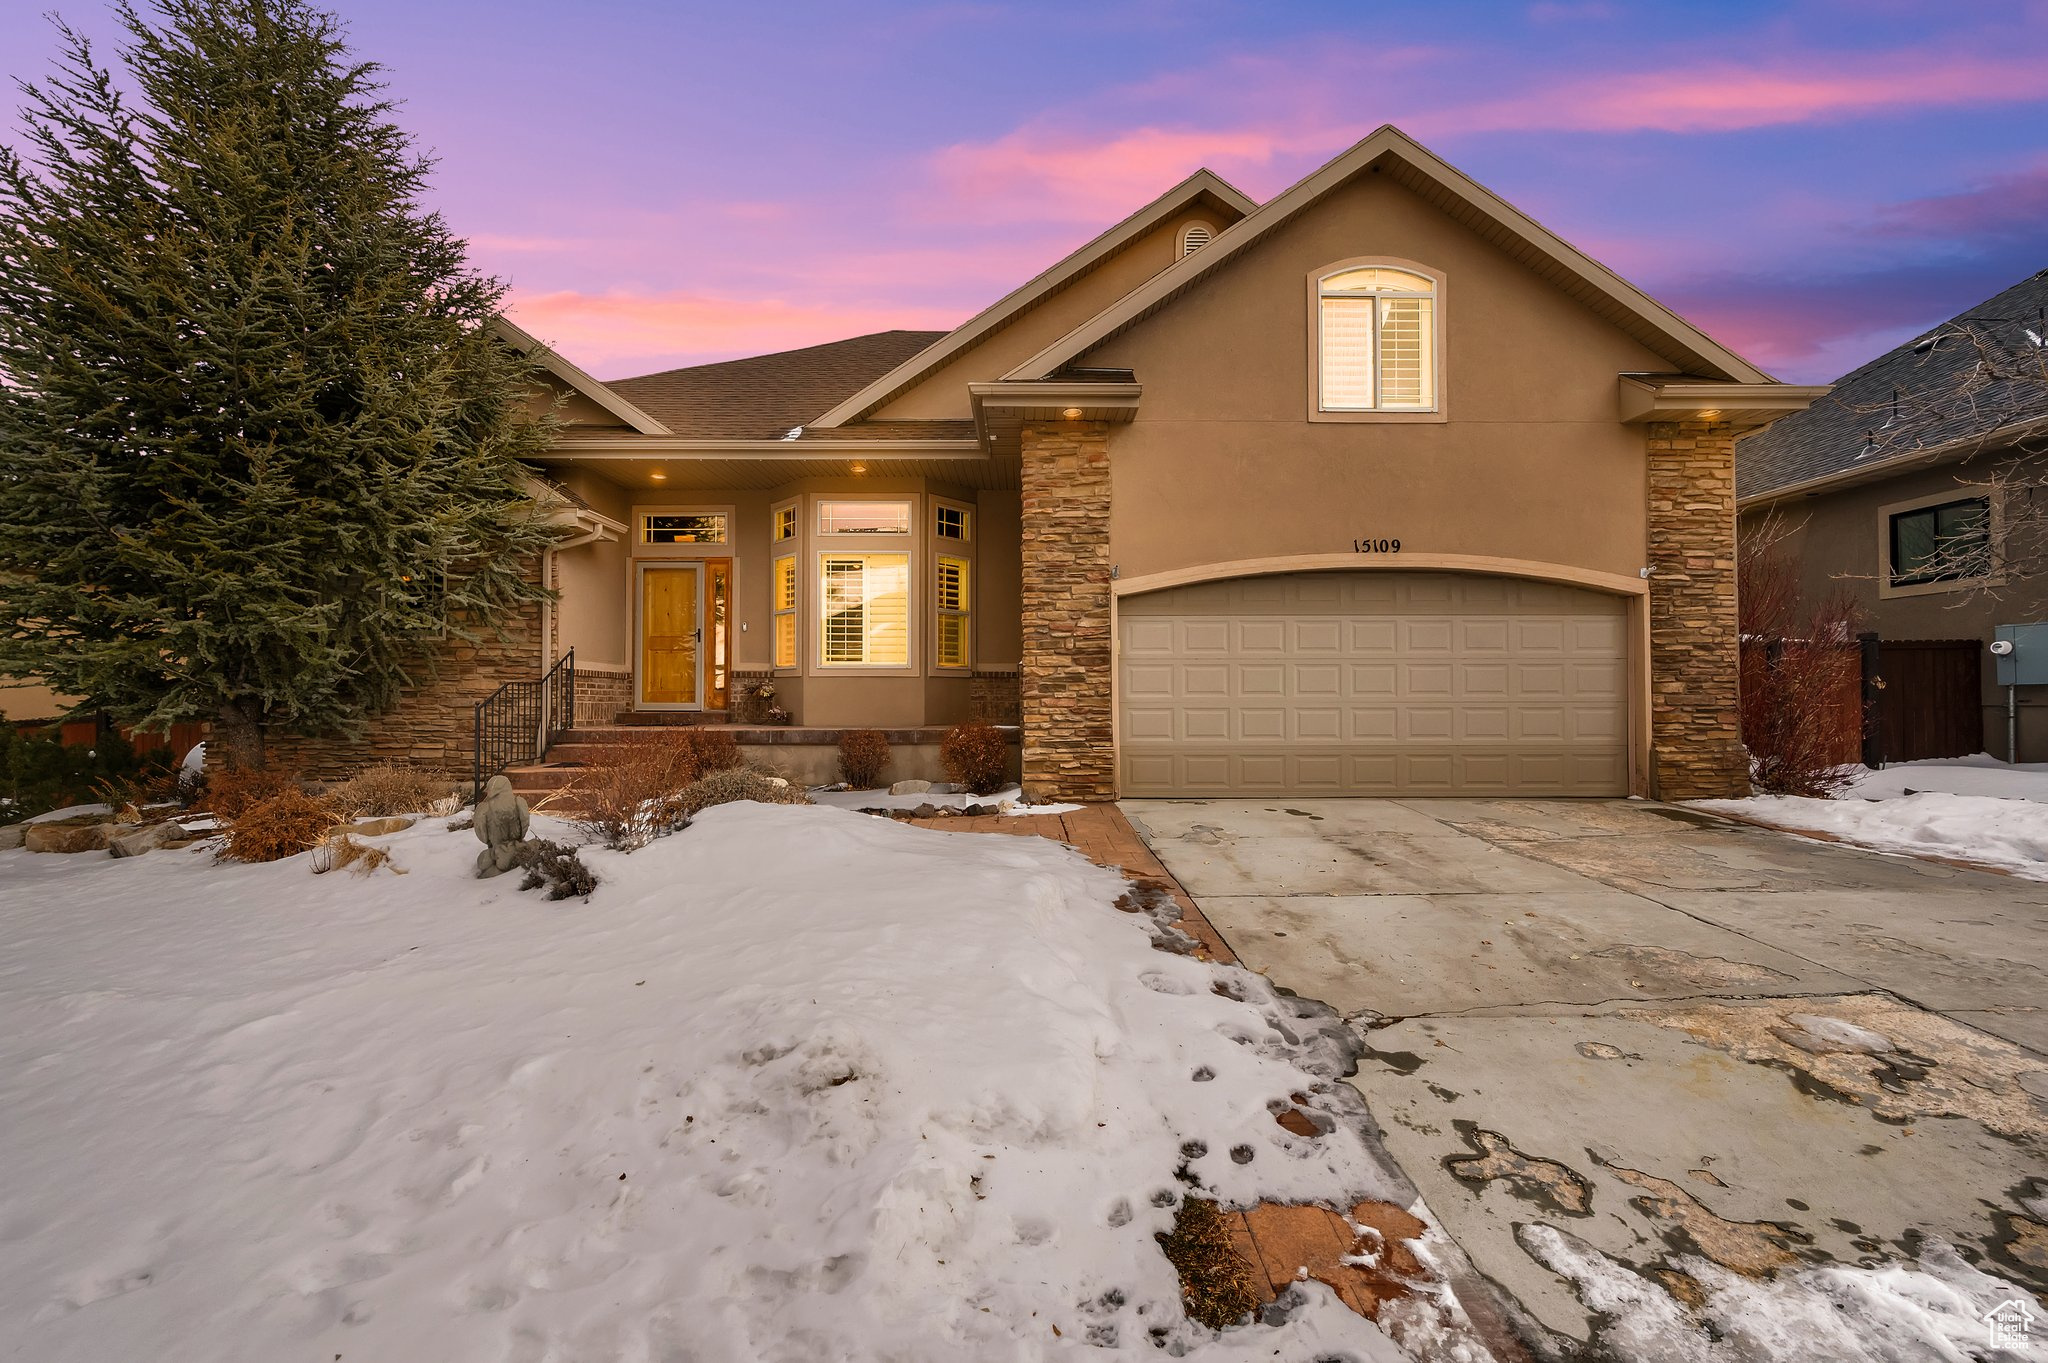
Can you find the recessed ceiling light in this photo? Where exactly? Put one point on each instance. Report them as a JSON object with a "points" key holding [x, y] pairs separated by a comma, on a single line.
{"points": [[1072, 413], [658, 476], [859, 467]]}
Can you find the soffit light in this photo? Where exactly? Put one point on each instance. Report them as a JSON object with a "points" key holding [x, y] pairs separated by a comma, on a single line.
{"points": [[1071, 413], [658, 476]]}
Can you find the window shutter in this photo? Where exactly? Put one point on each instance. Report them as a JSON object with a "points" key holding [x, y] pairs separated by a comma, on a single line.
{"points": [[1347, 353], [1407, 345]]}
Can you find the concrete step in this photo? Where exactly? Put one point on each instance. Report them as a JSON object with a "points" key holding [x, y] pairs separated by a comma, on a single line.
{"points": [[670, 719], [549, 777]]}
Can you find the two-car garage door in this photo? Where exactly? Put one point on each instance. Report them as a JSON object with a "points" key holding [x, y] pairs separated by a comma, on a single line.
{"points": [[1373, 683]]}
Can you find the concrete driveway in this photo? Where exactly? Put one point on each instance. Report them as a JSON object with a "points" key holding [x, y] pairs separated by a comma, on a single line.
{"points": [[1663, 1033]]}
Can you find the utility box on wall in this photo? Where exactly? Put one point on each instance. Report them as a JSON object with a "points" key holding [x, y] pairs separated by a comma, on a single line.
{"points": [[2025, 662]]}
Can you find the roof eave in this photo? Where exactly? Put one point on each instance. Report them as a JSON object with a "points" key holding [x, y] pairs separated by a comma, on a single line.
{"points": [[547, 358], [1686, 340], [1019, 300], [1744, 406]]}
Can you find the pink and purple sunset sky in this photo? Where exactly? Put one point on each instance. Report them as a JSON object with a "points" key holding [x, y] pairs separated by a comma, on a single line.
{"points": [[668, 183]]}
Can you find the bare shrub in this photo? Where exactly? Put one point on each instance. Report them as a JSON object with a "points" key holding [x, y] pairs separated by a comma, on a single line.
{"points": [[716, 750], [634, 795], [863, 753], [232, 791], [555, 866], [282, 826], [740, 783], [380, 791], [1801, 675], [977, 756]]}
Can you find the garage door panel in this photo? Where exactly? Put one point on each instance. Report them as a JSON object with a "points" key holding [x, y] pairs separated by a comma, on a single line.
{"points": [[1373, 683]]}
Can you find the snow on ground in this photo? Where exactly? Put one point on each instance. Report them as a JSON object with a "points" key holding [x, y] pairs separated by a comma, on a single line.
{"points": [[1972, 808], [1982, 774], [1009, 799], [793, 1084], [1893, 1313]]}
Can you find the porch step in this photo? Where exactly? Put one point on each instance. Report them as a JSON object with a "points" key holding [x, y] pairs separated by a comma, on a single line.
{"points": [[665, 719]]}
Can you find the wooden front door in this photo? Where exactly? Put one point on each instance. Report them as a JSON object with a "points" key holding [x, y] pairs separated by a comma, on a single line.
{"points": [[670, 635]]}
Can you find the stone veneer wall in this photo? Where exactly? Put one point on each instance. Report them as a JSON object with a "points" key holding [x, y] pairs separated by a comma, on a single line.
{"points": [[602, 693], [1696, 750], [995, 697], [1069, 734], [432, 725]]}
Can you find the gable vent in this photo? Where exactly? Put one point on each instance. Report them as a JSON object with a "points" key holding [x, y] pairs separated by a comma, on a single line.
{"points": [[1194, 239]]}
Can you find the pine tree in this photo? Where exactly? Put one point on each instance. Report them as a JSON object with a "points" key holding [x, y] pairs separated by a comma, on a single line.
{"points": [[259, 450]]}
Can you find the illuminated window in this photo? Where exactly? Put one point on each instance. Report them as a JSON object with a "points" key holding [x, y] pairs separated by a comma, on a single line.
{"points": [[1376, 341], [785, 522], [687, 528], [951, 522], [785, 611], [864, 609], [955, 605], [863, 518]]}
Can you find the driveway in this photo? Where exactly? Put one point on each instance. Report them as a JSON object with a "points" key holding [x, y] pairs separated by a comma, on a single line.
{"points": [[1661, 1032]]}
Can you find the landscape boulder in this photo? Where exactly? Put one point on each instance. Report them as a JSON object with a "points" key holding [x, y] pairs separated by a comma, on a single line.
{"points": [[11, 836], [67, 837], [133, 842], [912, 787]]}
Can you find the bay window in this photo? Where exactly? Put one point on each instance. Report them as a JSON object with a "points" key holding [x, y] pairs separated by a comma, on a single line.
{"points": [[954, 607]]}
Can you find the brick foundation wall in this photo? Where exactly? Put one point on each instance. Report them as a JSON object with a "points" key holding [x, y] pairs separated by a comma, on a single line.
{"points": [[1696, 750], [433, 725], [1064, 687], [995, 697], [601, 694], [744, 705]]}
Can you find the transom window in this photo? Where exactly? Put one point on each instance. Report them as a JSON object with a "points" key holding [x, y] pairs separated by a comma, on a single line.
{"points": [[785, 522], [1376, 340], [951, 522], [1950, 542], [685, 528], [864, 604], [863, 518]]}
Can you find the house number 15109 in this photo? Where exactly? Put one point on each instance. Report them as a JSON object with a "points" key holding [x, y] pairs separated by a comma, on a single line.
{"points": [[1376, 546]]}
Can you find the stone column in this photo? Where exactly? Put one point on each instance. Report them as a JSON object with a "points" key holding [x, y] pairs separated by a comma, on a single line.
{"points": [[1696, 750], [1069, 751]]}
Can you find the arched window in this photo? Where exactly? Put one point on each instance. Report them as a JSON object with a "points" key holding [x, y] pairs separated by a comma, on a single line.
{"points": [[1194, 237], [1376, 340]]}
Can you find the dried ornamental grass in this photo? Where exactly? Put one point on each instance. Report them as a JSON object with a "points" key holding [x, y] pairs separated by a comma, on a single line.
{"points": [[232, 791], [977, 756], [379, 791], [728, 787], [342, 851], [1217, 1287], [863, 753], [282, 826]]}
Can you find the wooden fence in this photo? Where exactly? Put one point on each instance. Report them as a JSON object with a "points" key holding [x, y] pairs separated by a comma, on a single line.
{"points": [[1932, 701]]}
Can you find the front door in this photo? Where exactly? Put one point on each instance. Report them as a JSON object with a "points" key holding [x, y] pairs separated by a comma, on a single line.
{"points": [[671, 635]]}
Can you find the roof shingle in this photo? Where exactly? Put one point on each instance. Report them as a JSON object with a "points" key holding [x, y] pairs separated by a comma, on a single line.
{"points": [[762, 397]]}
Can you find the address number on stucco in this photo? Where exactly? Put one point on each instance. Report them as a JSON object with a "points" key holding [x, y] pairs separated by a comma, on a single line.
{"points": [[1376, 546]]}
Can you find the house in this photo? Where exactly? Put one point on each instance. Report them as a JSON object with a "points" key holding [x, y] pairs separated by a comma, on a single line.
{"points": [[1910, 487], [1377, 488]]}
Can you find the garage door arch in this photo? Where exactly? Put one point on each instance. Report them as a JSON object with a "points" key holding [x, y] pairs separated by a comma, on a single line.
{"points": [[1327, 678]]}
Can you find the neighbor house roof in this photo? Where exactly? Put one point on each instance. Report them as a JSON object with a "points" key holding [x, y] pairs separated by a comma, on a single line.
{"points": [[1929, 398], [1461, 198], [763, 397]]}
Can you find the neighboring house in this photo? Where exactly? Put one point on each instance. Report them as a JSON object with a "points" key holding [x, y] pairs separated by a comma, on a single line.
{"points": [[1378, 488], [1911, 488]]}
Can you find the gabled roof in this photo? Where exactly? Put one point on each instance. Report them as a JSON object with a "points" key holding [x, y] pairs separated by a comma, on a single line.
{"points": [[526, 344], [1910, 404], [1204, 188], [1417, 169], [764, 397]]}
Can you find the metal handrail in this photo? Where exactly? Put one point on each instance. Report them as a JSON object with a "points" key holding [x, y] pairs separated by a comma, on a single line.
{"points": [[520, 721]]}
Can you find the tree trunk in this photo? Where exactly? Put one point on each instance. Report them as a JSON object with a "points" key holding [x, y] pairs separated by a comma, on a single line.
{"points": [[238, 735]]}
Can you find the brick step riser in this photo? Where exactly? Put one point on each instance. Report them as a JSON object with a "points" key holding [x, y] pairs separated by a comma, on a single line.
{"points": [[670, 719]]}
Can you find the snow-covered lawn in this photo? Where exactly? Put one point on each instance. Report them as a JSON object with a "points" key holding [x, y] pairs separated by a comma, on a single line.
{"points": [[795, 1084], [1009, 800], [1974, 809]]}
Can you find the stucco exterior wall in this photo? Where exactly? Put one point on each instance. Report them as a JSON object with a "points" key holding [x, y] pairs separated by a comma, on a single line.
{"points": [[1835, 539], [1223, 462], [944, 393]]}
